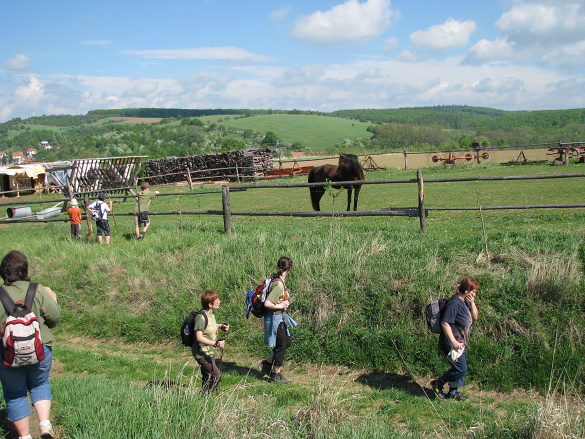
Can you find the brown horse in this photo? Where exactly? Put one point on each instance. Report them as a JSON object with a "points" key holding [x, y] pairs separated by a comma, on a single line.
{"points": [[348, 169]]}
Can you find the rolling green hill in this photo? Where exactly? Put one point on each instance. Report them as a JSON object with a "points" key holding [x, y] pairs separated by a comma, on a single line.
{"points": [[312, 131]]}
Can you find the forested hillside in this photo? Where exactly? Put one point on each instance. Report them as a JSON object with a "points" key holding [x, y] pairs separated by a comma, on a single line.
{"points": [[185, 132]]}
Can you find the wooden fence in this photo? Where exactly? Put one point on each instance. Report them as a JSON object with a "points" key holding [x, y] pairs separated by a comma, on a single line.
{"points": [[420, 211]]}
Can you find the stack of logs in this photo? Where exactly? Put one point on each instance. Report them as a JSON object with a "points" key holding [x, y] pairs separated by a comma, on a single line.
{"points": [[235, 165]]}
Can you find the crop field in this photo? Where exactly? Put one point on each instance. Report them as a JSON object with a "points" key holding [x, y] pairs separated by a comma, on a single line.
{"points": [[361, 358]]}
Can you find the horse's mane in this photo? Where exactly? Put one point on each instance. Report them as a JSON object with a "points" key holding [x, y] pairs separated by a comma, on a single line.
{"points": [[349, 164]]}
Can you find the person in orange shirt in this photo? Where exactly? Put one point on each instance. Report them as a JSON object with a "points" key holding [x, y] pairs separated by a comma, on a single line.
{"points": [[75, 216]]}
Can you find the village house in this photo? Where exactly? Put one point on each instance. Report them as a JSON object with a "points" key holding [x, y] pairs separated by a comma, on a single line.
{"points": [[17, 157], [30, 152], [45, 145]]}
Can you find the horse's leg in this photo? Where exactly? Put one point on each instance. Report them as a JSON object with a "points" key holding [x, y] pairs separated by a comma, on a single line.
{"points": [[348, 198], [355, 197]]}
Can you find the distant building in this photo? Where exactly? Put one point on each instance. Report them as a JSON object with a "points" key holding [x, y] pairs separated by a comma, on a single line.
{"points": [[45, 145], [30, 152], [17, 157]]}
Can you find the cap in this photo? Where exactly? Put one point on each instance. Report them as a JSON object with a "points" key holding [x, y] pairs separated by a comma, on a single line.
{"points": [[101, 196], [73, 202]]}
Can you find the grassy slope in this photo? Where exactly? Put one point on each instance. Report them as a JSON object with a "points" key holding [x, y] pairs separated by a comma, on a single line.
{"points": [[359, 286], [315, 132]]}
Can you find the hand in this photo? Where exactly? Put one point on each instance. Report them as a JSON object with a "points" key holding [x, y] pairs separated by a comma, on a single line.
{"points": [[285, 304], [221, 344], [457, 345], [225, 327]]}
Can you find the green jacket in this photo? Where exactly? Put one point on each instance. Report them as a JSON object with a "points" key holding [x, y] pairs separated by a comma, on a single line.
{"points": [[45, 308]]}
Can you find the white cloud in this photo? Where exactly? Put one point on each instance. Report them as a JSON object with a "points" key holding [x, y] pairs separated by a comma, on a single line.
{"points": [[17, 64], [542, 24], [543, 30], [486, 51], [390, 44], [352, 22], [280, 14], [207, 53], [449, 35], [31, 92], [569, 56]]}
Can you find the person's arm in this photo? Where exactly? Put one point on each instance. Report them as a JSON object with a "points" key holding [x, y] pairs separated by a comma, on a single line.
{"points": [[471, 300], [50, 310], [204, 340], [449, 334], [277, 290], [282, 305]]}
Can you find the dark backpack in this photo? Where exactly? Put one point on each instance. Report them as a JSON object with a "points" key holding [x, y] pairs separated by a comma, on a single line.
{"points": [[97, 213], [21, 336], [187, 327], [255, 298], [434, 313]]}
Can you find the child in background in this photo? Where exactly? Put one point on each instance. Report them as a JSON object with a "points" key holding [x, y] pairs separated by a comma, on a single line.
{"points": [[74, 213]]}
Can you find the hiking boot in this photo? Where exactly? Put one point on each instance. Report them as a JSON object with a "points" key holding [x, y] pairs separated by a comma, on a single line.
{"points": [[438, 390], [457, 397], [265, 368], [47, 432], [278, 378]]}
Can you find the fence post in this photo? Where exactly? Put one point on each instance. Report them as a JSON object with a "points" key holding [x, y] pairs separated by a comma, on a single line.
{"points": [[405, 161], [227, 215], [189, 179], [237, 173], [421, 201]]}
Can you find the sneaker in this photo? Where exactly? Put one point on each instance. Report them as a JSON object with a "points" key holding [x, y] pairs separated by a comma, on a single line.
{"points": [[265, 368], [457, 397], [438, 390], [278, 378], [47, 432]]}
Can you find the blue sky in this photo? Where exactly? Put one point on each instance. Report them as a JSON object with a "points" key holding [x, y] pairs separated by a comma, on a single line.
{"points": [[69, 57]]}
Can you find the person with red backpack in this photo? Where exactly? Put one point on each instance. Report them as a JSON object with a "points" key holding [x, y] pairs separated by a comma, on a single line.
{"points": [[276, 323], [20, 378]]}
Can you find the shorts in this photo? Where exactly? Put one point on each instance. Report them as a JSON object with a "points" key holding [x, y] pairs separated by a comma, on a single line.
{"points": [[18, 381], [103, 227]]}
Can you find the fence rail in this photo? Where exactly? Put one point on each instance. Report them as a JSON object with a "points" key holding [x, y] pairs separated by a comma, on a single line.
{"points": [[421, 211]]}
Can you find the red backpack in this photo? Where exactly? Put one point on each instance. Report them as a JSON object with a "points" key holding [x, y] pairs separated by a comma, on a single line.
{"points": [[255, 298]]}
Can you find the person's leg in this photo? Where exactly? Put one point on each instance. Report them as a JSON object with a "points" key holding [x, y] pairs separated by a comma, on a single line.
{"points": [[211, 375], [283, 342], [136, 227], [14, 387]]}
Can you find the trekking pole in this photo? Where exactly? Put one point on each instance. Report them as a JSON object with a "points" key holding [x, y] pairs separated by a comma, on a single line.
{"points": [[113, 216]]}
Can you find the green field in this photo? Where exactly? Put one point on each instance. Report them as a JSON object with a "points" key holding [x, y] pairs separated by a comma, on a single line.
{"points": [[315, 132], [361, 357]]}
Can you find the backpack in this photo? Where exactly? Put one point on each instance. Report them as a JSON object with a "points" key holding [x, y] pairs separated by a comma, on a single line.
{"points": [[255, 298], [97, 212], [187, 327], [21, 336], [433, 313]]}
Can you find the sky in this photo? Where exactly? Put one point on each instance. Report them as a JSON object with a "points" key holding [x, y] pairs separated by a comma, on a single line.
{"points": [[69, 57]]}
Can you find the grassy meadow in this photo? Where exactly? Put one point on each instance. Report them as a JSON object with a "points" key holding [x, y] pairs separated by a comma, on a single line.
{"points": [[361, 357], [314, 132]]}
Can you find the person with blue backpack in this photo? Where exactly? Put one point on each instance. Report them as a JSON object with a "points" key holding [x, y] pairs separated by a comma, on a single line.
{"points": [[277, 322], [456, 319], [207, 343]]}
